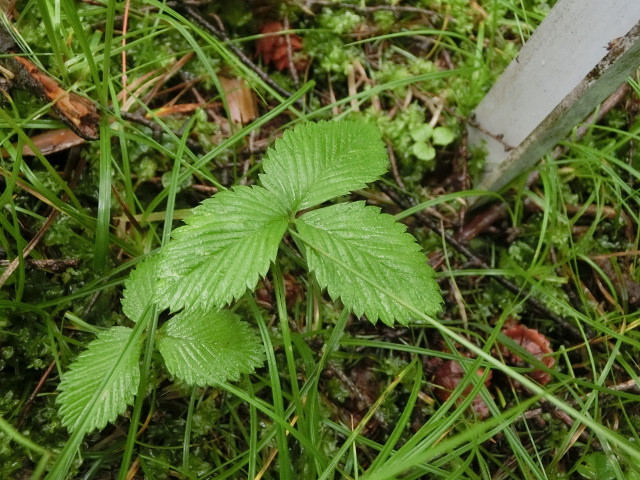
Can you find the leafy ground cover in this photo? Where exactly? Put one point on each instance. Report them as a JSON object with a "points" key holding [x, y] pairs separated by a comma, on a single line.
{"points": [[529, 371]]}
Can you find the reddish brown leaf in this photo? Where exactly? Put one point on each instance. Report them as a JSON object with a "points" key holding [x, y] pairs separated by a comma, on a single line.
{"points": [[265, 46], [273, 48], [449, 375], [53, 141], [533, 342]]}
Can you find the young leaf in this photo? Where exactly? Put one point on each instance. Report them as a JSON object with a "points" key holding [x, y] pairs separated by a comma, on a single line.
{"points": [[359, 254], [422, 133], [140, 288], [443, 136], [202, 349], [103, 359], [315, 162], [223, 249], [423, 151]]}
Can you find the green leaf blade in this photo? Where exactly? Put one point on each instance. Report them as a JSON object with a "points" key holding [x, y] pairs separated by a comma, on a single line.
{"points": [[443, 136], [224, 248], [315, 162], [203, 349], [423, 151], [140, 288], [85, 377], [368, 260]]}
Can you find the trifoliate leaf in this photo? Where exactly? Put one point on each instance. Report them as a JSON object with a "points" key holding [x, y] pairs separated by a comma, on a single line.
{"points": [[443, 136], [202, 349], [315, 162], [368, 260], [110, 360], [140, 288], [223, 249]]}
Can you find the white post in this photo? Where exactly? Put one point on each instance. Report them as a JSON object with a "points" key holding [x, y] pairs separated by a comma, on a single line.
{"points": [[579, 55]]}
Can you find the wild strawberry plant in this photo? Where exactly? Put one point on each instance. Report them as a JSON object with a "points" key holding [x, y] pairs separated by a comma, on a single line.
{"points": [[358, 254]]}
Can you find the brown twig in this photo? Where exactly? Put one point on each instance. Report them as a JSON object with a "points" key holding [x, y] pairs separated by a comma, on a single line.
{"points": [[47, 224], [125, 25], [358, 8], [482, 221], [29, 248], [536, 413], [626, 288], [606, 106], [27, 406], [55, 265], [394, 166], [166, 76], [157, 129], [626, 253], [498, 138], [79, 113], [221, 34], [126, 211], [47, 372], [292, 68], [75, 177], [142, 120]]}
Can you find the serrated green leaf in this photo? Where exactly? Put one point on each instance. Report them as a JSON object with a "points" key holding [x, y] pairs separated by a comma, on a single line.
{"points": [[368, 260], [224, 248], [315, 162], [103, 359], [140, 288], [202, 349]]}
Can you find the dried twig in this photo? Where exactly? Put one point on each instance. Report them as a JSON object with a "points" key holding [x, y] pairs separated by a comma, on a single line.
{"points": [[55, 265], [43, 378], [292, 68], [27, 406], [614, 99], [394, 166], [79, 113], [536, 413], [221, 34], [40, 234], [125, 25], [359, 8]]}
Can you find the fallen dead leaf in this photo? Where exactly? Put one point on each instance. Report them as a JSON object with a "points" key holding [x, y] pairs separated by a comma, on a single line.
{"points": [[242, 102], [449, 375], [273, 48], [78, 112], [533, 342], [51, 141]]}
